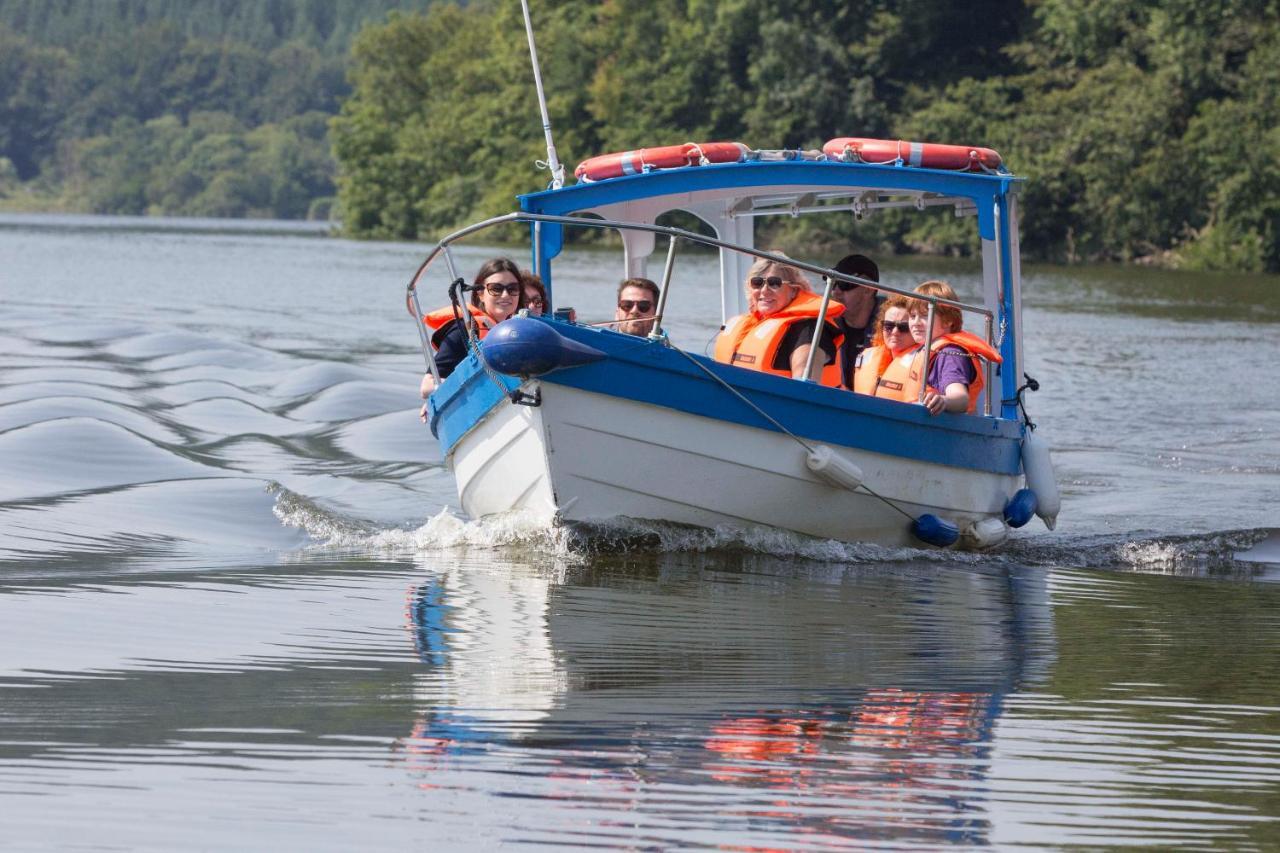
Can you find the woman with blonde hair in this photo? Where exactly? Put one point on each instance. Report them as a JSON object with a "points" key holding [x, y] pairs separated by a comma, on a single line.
{"points": [[776, 334]]}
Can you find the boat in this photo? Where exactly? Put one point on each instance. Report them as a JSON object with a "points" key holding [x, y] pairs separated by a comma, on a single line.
{"points": [[576, 424]]}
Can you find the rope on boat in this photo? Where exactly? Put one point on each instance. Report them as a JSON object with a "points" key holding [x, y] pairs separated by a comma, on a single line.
{"points": [[517, 396], [1029, 385], [762, 413]]}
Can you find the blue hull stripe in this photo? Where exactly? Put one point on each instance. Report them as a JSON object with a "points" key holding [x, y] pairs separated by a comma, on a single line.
{"points": [[650, 373]]}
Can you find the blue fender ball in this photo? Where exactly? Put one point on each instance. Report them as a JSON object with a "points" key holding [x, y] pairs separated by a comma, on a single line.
{"points": [[932, 530], [523, 346], [1021, 508]]}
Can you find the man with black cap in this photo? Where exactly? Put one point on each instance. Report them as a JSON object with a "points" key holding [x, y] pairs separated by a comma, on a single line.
{"points": [[861, 304]]}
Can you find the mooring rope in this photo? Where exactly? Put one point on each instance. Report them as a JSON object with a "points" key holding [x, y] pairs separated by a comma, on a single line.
{"points": [[798, 440]]}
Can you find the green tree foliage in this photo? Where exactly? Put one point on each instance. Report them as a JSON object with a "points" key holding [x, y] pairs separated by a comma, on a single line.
{"points": [[417, 154], [1147, 129], [34, 84], [260, 24], [166, 106], [211, 165]]}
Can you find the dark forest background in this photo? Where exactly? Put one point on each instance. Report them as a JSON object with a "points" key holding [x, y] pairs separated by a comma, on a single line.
{"points": [[1148, 130]]}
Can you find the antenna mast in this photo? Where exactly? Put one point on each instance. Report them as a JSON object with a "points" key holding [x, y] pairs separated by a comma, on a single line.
{"points": [[553, 162]]}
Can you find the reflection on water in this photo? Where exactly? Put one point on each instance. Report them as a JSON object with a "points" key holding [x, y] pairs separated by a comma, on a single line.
{"points": [[237, 608], [895, 706]]}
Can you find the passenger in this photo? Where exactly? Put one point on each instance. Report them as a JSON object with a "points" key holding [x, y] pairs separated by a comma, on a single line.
{"points": [[637, 306], [862, 305], [956, 376], [495, 295], [776, 334], [893, 345], [535, 293]]}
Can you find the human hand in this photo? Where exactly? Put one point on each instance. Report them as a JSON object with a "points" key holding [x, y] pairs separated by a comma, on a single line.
{"points": [[934, 403], [428, 385], [422, 415]]}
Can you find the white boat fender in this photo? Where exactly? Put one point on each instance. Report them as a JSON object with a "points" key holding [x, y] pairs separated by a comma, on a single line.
{"points": [[931, 530], [833, 467], [987, 533], [1038, 468], [1020, 508]]}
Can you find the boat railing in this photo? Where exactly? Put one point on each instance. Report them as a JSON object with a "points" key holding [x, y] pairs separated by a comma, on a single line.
{"points": [[441, 249]]}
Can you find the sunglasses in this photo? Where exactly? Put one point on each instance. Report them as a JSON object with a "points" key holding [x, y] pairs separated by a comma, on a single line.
{"points": [[641, 305], [535, 300], [846, 286], [903, 327], [499, 289], [772, 282]]}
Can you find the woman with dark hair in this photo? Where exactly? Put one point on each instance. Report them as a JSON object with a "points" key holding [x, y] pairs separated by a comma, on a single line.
{"points": [[497, 292], [535, 293]]}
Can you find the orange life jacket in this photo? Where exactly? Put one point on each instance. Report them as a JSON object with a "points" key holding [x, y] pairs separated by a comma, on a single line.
{"points": [[871, 362], [440, 320], [751, 340], [901, 379]]}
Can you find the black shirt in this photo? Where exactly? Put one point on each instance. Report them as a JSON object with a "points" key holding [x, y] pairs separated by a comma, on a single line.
{"points": [[799, 334], [856, 340], [452, 341]]}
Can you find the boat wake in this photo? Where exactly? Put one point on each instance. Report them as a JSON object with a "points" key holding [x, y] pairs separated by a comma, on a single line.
{"points": [[1219, 553], [332, 531], [1246, 553]]}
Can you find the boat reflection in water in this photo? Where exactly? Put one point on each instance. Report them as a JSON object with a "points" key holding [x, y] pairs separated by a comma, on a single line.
{"points": [[675, 696]]}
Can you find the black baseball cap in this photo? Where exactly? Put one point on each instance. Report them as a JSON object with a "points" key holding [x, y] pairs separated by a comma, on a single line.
{"points": [[859, 265]]}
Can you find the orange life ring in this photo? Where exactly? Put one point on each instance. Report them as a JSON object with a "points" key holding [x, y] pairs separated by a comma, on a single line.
{"points": [[929, 155], [604, 166]]}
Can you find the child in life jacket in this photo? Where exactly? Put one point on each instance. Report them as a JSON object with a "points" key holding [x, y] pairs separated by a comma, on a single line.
{"points": [[955, 376]]}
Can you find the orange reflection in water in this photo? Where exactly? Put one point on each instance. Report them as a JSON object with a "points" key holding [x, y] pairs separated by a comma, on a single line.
{"points": [[905, 751]]}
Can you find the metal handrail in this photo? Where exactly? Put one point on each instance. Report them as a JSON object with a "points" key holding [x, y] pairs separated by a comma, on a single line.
{"points": [[523, 216], [656, 331], [831, 275]]}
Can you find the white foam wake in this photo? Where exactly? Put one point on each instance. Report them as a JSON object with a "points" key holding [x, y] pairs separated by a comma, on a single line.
{"points": [[522, 531], [517, 531]]}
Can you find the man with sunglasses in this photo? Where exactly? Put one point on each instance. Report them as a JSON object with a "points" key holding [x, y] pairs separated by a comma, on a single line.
{"points": [[637, 306], [861, 307]]}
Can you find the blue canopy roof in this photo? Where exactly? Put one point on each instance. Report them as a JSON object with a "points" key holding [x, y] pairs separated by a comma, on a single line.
{"points": [[759, 178]]}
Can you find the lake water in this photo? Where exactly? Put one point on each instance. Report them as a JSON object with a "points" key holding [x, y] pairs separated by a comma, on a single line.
{"points": [[239, 608]]}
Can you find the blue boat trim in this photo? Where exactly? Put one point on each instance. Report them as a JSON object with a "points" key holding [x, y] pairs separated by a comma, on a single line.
{"points": [[651, 373], [983, 189], [463, 399]]}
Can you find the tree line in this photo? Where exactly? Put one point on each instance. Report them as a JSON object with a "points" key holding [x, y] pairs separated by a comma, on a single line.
{"points": [[217, 108], [1147, 129]]}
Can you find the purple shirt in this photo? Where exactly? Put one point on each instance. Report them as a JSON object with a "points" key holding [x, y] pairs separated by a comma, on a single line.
{"points": [[950, 365]]}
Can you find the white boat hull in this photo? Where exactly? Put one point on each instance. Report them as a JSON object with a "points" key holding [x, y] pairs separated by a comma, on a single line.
{"points": [[585, 456]]}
